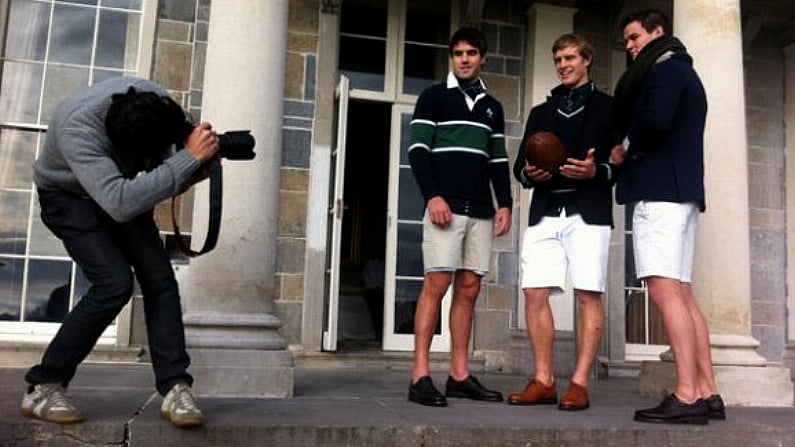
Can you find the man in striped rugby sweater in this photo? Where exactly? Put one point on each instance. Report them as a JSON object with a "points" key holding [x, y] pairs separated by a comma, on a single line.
{"points": [[457, 153]]}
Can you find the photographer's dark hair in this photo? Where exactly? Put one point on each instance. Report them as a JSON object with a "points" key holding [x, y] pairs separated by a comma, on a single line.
{"points": [[649, 19], [144, 124], [472, 36]]}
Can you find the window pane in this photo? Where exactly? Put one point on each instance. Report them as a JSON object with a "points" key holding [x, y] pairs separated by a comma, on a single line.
{"points": [[101, 75], [81, 2], [42, 241], [406, 294], [20, 91], [411, 205], [49, 288], [424, 67], [17, 152], [117, 40], [27, 30], [60, 83], [428, 22], [365, 72], [72, 35], [11, 274], [127, 4], [409, 252], [14, 207], [375, 12]]}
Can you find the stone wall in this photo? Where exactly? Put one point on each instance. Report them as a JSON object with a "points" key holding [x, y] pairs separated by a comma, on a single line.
{"points": [[299, 109], [764, 96]]}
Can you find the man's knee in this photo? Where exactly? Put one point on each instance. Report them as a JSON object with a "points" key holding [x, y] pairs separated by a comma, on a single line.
{"points": [[112, 292]]}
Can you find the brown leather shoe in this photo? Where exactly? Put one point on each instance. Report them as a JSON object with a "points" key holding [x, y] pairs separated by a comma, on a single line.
{"points": [[535, 393], [575, 399]]}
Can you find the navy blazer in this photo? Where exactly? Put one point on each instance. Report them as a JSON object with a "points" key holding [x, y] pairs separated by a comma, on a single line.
{"points": [[665, 160], [594, 196]]}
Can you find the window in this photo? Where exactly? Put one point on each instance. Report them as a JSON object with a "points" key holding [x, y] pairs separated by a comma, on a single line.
{"points": [[51, 49], [398, 51]]}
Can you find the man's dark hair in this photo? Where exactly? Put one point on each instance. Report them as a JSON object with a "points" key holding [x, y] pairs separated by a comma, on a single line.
{"points": [[144, 124], [472, 36], [649, 19]]}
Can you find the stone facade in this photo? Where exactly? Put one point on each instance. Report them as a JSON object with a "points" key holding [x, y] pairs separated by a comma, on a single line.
{"points": [[179, 58]]}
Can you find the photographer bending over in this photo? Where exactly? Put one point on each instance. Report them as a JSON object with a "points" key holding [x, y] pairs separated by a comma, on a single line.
{"points": [[106, 162]]}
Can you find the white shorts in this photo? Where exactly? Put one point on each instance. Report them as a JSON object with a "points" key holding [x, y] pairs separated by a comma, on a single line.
{"points": [[557, 244], [663, 237], [465, 244]]}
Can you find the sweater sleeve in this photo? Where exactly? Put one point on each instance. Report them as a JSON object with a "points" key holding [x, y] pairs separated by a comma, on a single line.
{"points": [[423, 129], [120, 197], [498, 162]]}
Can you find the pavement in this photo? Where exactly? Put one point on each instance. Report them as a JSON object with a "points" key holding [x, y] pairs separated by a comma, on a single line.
{"points": [[368, 407]]}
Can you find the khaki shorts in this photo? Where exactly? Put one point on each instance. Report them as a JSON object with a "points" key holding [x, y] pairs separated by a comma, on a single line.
{"points": [[465, 244], [663, 237]]}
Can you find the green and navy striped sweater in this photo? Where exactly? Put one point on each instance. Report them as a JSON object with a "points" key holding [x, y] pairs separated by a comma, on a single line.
{"points": [[457, 150]]}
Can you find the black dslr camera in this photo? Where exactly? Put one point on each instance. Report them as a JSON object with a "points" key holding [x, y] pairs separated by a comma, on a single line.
{"points": [[236, 145]]}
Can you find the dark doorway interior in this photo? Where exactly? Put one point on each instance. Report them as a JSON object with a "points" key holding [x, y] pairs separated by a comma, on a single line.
{"points": [[363, 248]]}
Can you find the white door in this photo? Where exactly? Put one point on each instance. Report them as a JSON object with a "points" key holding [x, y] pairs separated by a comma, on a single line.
{"points": [[335, 210], [404, 272]]}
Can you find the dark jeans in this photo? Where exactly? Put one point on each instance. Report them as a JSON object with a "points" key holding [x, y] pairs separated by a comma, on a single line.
{"points": [[108, 252]]}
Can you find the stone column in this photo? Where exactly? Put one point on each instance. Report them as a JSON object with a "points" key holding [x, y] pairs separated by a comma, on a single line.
{"points": [[231, 331], [789, 122], [721, 277]]}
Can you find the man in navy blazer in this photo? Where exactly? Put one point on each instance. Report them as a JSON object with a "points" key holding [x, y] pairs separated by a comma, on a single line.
{"points": [[570, 218], [660, 113]]}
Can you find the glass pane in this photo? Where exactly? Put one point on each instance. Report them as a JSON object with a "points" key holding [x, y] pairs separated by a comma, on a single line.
{"points": [[49, 288], [428, 22], [11, 274], [72, 34], [127, 4], [365, 72], [81, 2], [42, 241], [405, 133], [409, 252], [636, 317], [101, 75], [60, 83], [17, 152], [406, 294], [20, 92], [117, 40], [27, 30], [375, 12], [14, 207], [411, 205], [423, 67]]}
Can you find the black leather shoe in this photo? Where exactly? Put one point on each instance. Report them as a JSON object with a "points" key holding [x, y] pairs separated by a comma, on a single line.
{"points": [[717, 410], [470, 388], [424, 393], [673, 411]]}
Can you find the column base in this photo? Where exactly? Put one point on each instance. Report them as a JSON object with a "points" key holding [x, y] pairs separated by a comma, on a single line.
{"points": [[753, 386], [238, 355], [242, 373]]}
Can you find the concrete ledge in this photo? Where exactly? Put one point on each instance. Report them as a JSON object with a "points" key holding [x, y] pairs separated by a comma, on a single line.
{"points": [[367, 407]]}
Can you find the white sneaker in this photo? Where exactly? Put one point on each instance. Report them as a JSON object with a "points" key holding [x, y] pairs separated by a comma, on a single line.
{"points": [[179, 407], [48, 402]]}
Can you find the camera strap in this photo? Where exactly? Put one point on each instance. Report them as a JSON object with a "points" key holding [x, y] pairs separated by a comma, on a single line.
{"points": [[216, 200]]}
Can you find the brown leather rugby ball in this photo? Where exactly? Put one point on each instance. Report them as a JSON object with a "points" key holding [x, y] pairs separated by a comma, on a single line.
{"points": [[544, 150]]}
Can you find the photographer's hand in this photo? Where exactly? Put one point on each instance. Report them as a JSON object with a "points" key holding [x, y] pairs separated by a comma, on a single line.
{"points": [[202, 143]]}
